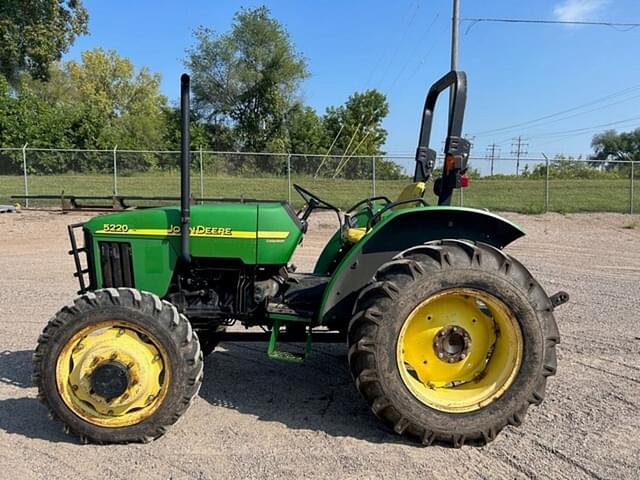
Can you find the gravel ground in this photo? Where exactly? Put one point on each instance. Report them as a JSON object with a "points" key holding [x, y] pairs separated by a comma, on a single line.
{"points": [[259, 419]]}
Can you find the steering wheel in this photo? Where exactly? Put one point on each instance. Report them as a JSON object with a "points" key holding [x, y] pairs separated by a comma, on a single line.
{"points": [[312, 200]]}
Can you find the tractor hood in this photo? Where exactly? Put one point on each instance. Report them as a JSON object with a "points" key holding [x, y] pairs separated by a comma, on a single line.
{"points": [[264, 233]]}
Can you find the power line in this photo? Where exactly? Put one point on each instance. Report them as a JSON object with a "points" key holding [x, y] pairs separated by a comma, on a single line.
{"points": [[344, 164], [315, 175], [578, 131], [618, 93], [346, 155], [396, 51], [624, 26], [624, 100], [400, 39], [578, 114], [406, 64]]}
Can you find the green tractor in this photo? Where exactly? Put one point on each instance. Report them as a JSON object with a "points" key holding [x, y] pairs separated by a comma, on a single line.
{"points": [[449, 338]]}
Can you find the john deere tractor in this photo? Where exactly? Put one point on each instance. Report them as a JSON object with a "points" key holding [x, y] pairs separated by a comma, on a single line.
{"points": [[449, 338]]}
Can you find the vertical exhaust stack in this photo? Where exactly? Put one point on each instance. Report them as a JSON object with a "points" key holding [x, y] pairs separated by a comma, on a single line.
{"points": [[185, 164]]}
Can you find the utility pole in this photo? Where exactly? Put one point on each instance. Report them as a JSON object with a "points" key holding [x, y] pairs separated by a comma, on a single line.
{"points": [[493, 153], [519, 149], [455, 25]]}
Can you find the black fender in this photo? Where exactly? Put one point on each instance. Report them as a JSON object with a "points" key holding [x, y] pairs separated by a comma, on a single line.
{"points": [[397, 232]]}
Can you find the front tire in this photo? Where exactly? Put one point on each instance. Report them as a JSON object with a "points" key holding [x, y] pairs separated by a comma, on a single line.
{"points": [[451, 342], [118, 366]]}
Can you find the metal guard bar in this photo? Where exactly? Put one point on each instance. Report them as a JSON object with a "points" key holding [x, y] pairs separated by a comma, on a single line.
{"points": [[76, 251], [457, 80]]}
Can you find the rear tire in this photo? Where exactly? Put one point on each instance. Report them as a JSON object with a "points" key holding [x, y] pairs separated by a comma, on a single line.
{"points": [[126, 333], [434, 270]]}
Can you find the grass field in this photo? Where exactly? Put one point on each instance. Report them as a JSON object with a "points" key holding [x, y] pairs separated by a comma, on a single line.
{"points": [[521, 195]]}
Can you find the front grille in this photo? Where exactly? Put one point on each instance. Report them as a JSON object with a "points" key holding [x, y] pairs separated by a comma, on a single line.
{"points": [[117, 268]]}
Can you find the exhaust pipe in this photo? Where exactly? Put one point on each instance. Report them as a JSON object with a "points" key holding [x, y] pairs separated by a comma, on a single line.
{"points": [[185, 163]]}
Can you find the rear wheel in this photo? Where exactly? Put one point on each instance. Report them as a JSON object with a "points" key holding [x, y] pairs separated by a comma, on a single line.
{"points": [[453, 341], [118, 366]]}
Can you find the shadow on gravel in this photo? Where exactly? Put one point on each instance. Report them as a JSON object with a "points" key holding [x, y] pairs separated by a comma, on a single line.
{"points": [[24, 415], [317, 395], [28, 417], [15, 368]]}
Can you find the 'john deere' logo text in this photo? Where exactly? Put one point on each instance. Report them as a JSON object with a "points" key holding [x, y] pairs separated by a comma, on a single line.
{"points": [[203, 231]]}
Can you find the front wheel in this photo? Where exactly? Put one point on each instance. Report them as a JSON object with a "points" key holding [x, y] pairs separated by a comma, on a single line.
{"points": [[452, 342], [118, 366]]}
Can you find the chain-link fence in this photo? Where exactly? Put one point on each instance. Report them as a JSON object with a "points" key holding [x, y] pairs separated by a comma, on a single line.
{"points": [[530, 185]]}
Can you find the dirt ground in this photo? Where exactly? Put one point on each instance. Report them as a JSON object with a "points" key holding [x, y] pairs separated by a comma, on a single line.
{"points": [[259, 419]]}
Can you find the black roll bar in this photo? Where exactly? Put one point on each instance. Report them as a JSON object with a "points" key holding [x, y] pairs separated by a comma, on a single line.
{"points": [[425, 156]]}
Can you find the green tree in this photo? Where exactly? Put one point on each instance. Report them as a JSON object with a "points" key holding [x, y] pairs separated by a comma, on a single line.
{"points": [[360, 120], [610, 145], [356, 128], [95, 104], [25, 117], [247, 79], [128, 101], [35, 33], [306, 131]]}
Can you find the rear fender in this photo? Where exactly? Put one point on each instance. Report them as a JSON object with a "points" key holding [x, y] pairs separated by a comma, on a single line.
{"points": [[397, 232]]}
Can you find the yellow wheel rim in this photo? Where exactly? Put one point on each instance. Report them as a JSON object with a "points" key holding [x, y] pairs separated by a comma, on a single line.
{"points": [[113, 374], [459, 350]]}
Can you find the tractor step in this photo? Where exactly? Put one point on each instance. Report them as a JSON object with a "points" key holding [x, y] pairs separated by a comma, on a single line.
{"points": [[283, 355]]}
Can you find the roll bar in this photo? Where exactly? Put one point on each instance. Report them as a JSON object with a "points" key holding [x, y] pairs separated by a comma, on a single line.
{"points": [[455, 145]]}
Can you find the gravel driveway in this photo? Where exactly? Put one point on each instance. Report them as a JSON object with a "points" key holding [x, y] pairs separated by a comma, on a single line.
{"points": [[258, 419]]}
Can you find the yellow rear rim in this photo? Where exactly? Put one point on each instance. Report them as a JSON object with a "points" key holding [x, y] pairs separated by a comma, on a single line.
{"points": [[138, 366], [459, 350]]}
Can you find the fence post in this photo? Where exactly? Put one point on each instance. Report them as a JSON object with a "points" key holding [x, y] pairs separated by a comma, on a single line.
{"points": [[26, 179], [631, 193], [546, 184], [201, 179], [115, 170], [289, 177], [373, 175]]}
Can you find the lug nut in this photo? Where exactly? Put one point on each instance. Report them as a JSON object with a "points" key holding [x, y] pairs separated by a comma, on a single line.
{"points": [[74, 387], [150, 398]]}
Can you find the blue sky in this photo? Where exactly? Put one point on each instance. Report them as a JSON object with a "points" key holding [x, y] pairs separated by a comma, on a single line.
{"points": [[517, 73]]}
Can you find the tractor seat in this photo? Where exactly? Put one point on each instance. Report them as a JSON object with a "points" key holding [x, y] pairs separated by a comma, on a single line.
{"points": [[411, 191], [354, 234]]}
